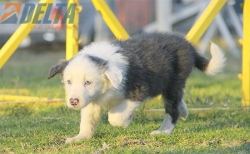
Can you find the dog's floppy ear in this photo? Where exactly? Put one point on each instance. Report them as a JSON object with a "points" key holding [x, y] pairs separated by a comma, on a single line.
{"points": [[114, 74], [57, 68]]}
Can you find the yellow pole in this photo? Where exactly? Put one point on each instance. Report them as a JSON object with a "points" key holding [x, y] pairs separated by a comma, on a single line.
{"points": [[21, 98], [246, 54], [23, 30], [205, 20], [110, 19], [72, 31]]}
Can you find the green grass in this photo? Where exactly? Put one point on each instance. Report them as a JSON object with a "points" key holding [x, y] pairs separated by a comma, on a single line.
{"points": [[28, 130], [43, 128]]}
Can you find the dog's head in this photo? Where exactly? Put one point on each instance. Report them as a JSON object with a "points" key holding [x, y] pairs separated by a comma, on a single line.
{"points": [[86, 78]]}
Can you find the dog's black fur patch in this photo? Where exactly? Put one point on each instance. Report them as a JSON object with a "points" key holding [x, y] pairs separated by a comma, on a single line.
{"points": [[159, 63], [98, 61]]}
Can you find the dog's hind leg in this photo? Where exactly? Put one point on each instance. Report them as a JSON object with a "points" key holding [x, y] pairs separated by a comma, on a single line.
{"points": [[90, 117], [183, 110], [166, 127], [122, 114], [172, 102]]}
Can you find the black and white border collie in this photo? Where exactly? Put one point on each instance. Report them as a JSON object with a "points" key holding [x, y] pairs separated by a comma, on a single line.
{"points": [[120, 75]]}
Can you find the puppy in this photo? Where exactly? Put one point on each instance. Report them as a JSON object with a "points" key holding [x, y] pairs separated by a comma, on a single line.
{"points": [[120, 75]]}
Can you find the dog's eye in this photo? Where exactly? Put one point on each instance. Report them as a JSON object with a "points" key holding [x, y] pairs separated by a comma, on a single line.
{"points": [[68, 82], [87, 83]]}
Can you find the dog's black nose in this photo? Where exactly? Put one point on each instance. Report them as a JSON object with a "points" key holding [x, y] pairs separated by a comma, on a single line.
{"points": [[74, 101]]}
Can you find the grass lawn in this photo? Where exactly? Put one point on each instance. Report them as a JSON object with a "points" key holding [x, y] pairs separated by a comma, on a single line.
{"points": [[43, 127]]}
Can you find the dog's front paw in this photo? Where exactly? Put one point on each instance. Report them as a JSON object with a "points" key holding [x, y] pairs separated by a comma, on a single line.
{"points": [[71, 140], [78, 138]]}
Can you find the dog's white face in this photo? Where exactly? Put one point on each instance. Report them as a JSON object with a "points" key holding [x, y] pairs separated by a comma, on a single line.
{"points": [[84, 82], [88, 75]]}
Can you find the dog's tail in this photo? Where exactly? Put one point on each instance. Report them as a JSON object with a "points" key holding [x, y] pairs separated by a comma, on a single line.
{"points": [[215, 64]]}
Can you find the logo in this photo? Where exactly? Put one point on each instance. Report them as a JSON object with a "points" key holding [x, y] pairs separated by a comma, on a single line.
{"points": [[42, 13], [11, 12]]}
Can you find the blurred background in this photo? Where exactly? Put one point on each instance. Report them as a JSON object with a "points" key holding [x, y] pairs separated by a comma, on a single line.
{"points": [[136, 16]]}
